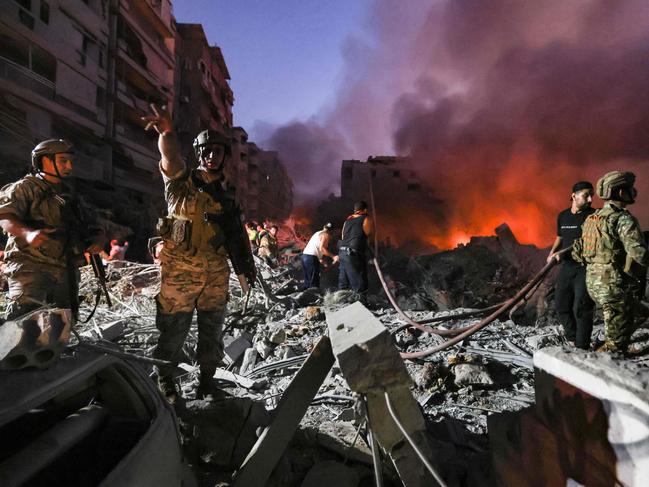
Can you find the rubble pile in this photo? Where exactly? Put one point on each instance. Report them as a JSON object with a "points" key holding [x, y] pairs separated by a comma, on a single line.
{"points": [[270, 335]]}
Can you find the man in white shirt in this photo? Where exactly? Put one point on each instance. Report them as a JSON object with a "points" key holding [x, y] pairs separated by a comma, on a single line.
{"points": [[312, 256]]}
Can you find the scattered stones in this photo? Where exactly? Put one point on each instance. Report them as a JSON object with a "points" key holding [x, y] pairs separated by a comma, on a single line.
{"points": [[277, 333], [314, 313], [472, 374]]}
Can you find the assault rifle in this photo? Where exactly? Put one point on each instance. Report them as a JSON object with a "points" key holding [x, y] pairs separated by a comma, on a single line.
{"points": [[100, 274]]}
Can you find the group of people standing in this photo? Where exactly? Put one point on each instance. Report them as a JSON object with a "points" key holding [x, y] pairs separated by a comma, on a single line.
{"points": [[607, 265], [49, 229], [352, 252], [263, 241]]}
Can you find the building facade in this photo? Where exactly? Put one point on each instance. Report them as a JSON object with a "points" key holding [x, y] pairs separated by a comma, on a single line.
{"points": [[87, 71], [275, 188], [204, 98]]}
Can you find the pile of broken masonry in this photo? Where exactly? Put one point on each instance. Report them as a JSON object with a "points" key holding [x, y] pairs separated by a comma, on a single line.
{"points": [[457, 389]]}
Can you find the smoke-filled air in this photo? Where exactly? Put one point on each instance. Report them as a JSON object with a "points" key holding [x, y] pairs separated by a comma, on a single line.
{"points": [[500, 104]]}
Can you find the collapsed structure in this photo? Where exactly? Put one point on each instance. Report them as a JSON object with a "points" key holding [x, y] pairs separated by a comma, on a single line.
{"points": [[313, 386]]}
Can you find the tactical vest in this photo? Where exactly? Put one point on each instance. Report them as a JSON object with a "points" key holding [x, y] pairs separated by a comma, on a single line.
{"points": [[601, 244], [192, 223], [353, 235]]}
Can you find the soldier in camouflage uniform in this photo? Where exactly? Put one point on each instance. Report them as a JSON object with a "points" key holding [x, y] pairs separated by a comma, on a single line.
{"points": [[44, 220], [613, 248], [195, 270]]}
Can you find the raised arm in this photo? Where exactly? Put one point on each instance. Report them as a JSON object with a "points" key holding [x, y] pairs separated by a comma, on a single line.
{"points": [[171, 161]]}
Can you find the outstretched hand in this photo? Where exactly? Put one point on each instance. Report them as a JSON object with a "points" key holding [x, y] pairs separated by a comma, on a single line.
{"points": [[160, 120], [36, 238]]}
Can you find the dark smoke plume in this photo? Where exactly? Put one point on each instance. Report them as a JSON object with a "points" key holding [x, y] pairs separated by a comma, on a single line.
{"points": [[502, 104]]}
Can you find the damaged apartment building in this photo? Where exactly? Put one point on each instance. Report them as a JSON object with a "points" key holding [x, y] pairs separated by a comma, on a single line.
{"points": [[87, 71], [389, 176]]}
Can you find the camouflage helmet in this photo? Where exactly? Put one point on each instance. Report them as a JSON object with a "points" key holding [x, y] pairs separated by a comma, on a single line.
{"points": [[613, 180], [212, 137], [49, 147]]}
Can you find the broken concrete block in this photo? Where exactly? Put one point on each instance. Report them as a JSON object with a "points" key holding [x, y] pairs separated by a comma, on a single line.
{"points": [[277, 334], [297, 397], [590, 425], [472, 374], [237, 348], [371, 365], [364, 349], [35, 339], [263, 349], [249, 361], [323, 473]]}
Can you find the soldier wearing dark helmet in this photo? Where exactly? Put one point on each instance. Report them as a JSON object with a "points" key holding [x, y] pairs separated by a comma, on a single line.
{"points": [[48, 230], [203, 228], [613, 248]]}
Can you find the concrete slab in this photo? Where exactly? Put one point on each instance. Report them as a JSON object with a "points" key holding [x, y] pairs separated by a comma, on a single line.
{"points": [[590, 424], [270, 446], [364, 349]]}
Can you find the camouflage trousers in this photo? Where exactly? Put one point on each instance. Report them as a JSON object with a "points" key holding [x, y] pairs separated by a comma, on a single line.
{"points": [[189, 283], [32, 285], [616, 294]]}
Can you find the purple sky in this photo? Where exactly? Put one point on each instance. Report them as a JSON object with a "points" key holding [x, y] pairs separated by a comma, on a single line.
{"points": [[284, 56]]}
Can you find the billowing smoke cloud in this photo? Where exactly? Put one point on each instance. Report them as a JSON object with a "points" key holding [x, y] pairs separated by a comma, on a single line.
{"points": [[309, 151], [501, 104]]}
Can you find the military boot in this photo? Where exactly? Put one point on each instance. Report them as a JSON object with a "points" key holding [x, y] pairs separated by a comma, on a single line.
{"points": [[612, 347], [207, 388], [168, 388]]}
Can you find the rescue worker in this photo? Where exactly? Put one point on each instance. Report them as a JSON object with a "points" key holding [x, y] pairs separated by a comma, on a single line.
{"points": [[117, 254], [48, 229], [316, 249], [202, 228], [573, 304], [261, 232], [268, 246], [353, 257], [613, 248], [251, 230]]}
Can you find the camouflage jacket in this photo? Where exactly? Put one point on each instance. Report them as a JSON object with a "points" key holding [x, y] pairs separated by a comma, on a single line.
{"points": [[188, 199], [39, 204], [268, 245], [612, 236]]}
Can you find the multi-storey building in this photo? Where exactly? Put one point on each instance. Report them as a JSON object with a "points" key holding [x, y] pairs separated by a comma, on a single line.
{"points": [[204, 97], [275, 187], [86, 70], [252, 194], [240, 166]]}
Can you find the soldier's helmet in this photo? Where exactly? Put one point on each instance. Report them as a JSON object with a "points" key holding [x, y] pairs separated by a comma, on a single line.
{"points": [[49, 147], [611, 181], [212, 137]]}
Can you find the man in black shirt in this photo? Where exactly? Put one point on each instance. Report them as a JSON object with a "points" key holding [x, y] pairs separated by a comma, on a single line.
{"points": [[573, 304], [353, 261]]}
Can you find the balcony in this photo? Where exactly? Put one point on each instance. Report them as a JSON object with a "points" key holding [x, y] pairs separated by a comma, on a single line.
{"points": [[26, 78], [155, 12]]}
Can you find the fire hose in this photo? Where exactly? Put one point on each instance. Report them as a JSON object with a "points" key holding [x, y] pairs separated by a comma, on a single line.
{"points": [[468, 331], [459, 334]]}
